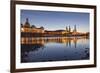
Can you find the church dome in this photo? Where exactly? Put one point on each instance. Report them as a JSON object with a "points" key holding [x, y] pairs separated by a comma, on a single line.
{"points": [[27, 24], [33, 26], [42, 27]]}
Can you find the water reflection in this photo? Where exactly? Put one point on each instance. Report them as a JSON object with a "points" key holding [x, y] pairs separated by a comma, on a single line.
{"points": [[40, 49], [44, 40]]}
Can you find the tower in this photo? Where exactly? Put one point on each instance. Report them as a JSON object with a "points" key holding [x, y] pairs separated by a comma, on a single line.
{"points": [[69, 29], [66, 29], [75, 30]]}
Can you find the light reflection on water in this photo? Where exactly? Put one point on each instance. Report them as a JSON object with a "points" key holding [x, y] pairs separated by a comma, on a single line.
{"points": [[43, 49]]}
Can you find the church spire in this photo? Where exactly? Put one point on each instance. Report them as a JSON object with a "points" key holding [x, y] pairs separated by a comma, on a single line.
{"points": [[66, 28], [69, 29], [75, 30]]}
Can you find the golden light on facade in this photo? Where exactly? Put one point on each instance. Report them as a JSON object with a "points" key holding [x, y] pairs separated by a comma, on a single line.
{"points": [[22, 29], [27, 28]]}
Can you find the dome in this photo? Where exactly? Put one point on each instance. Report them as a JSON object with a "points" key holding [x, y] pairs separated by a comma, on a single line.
{"points": [[42, 27], [33, 26], [27, 24]]}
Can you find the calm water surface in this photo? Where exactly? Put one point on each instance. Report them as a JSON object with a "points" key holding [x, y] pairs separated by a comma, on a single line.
{"points": [[44, 49]]}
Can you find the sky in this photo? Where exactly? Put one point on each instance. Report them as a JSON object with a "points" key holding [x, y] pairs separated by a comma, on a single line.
{"points": [[54, 20]]}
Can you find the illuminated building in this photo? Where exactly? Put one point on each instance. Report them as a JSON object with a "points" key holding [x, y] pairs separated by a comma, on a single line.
{"points": [[28, 30], [31, 29]]}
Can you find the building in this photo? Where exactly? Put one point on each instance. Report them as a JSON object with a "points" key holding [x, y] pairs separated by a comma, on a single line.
{"points": [[26, 27], [55, 33], [28, 30]]}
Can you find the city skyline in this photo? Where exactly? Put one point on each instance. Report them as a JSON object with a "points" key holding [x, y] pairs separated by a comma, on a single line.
{"points": [[52, 20]]}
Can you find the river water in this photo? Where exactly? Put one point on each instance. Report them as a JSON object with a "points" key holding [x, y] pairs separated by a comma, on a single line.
{"points": [[44, 49]]}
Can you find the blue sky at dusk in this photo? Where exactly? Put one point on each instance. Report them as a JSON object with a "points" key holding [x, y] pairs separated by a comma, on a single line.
{"points": [[54, 20]]}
